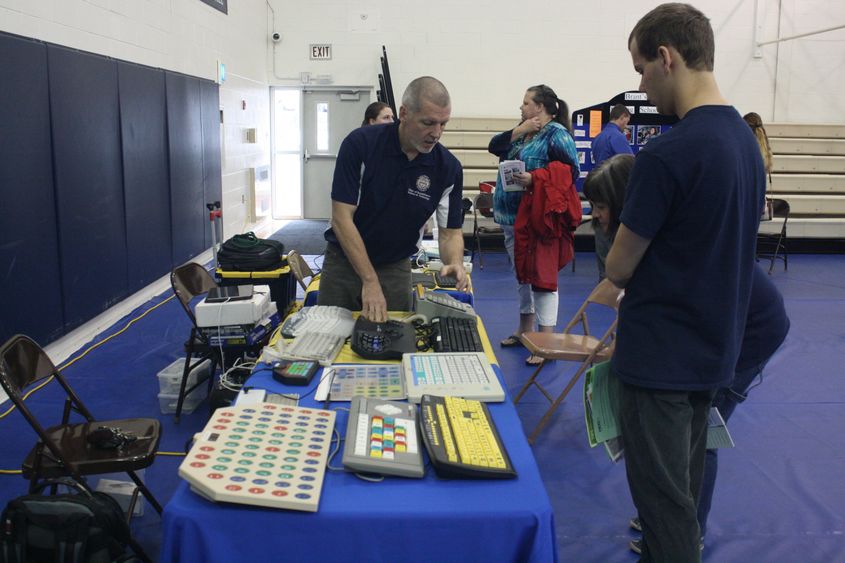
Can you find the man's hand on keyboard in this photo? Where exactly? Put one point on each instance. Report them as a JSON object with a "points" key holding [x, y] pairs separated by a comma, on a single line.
{"points": [[459, 273], [373, 303]]}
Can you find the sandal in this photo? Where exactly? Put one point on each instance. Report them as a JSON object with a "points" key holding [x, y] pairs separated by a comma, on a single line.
{"points": [[510, 341], [534, 361]]}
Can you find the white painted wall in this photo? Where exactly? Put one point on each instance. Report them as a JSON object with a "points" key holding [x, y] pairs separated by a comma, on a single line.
{"points": [[185, 36], [487, 52]]}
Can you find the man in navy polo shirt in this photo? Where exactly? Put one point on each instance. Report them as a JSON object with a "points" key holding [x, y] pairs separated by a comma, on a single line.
{"points": [[612, 140], [685, 254], [389, 179]]}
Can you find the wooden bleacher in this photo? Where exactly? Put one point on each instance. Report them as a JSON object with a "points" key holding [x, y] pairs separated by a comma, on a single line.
{"points": [[809, 170]]}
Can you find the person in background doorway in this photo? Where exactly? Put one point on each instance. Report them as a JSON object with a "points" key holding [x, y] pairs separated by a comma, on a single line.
{"points": [[387, 183], [377, 113], [605, 189], [542, 136], [684, 252], [612, 139]]}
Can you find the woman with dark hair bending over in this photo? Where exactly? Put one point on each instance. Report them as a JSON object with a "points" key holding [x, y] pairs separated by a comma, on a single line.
{"points": [[377, 113], [605, 188], [542, 136]]}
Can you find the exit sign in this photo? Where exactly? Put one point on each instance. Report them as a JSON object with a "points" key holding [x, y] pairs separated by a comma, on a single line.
{"points": [[321, 51]]}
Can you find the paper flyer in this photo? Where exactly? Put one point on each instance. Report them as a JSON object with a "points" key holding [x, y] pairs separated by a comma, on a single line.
{"points": [[601, 401], [507, 169]]}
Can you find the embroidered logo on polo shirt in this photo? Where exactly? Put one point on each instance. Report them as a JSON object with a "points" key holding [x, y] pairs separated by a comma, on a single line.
{"points": [[423, 183]]}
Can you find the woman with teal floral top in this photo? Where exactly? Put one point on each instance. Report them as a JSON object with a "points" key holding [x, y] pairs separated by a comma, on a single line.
{"points": [[540, 138]]}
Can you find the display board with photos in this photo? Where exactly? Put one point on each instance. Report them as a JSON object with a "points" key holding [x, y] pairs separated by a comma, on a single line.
{"points": [[645, 124]]}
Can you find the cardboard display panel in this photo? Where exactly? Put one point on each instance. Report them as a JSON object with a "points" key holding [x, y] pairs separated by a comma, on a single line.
{"points": [[645, 124], [143, 125], [88, 181], [30, 279]]}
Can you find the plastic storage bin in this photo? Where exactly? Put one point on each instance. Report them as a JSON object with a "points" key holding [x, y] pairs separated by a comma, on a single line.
{"points": [[117, 486], [167, 401], [170, 377]]}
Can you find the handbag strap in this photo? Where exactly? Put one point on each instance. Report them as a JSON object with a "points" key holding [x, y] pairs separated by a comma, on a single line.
{"points": [[246, 240]]}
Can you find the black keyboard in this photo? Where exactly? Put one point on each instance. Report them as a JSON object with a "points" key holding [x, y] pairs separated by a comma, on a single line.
{"points": [[424, 279], [455, 334], [462, 440], [383, 341], [445, 281]]}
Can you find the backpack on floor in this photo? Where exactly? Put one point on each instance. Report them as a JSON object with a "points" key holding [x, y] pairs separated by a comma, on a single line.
{"points": [[77, 527], [248, 253]]}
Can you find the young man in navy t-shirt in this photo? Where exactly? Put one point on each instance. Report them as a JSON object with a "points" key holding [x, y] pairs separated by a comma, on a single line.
{"points": [[388, 181], [684, 252]]}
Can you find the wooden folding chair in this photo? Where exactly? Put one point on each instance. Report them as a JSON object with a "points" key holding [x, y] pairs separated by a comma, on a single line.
{"points": [[482, 205], [573, 347], [300, 268]]}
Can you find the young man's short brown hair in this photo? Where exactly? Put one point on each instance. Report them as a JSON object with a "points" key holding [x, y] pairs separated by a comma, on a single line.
{"points": [[680, 26]]}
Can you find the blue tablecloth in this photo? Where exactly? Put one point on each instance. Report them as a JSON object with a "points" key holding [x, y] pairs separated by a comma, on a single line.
{"points": [[398, 519]]}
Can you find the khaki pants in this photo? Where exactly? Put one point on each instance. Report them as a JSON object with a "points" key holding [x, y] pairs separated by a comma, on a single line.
{"points": [[341, 286]]}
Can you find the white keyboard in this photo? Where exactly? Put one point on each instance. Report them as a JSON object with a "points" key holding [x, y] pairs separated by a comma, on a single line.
{"points": [[458, 374], [319, 318], [317, 346]]}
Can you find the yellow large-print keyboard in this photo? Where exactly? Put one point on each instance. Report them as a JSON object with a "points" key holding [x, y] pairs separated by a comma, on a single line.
{"points": [[462, 440]]}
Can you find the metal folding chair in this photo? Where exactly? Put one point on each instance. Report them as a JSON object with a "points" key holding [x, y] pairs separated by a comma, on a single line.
{"points": [[572, 347]]}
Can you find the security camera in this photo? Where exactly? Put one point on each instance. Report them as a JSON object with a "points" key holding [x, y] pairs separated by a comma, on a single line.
{"points": [[276, 37]]}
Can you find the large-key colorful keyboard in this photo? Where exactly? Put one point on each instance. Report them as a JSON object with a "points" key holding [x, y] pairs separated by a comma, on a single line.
{"points": [[462, 440], [264, 454]]}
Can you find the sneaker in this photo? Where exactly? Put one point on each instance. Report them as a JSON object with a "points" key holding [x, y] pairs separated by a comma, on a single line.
{"points": [[637, 545], [635, 524]]}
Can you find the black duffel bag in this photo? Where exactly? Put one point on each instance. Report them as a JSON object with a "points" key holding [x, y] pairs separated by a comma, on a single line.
{"points": [[248, 253], [76, 527]]}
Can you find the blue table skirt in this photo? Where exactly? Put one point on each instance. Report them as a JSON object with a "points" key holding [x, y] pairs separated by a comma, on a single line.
{"points": [[398, 519]]}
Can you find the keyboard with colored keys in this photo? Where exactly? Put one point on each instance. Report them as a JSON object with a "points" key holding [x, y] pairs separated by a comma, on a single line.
{"points": [[381, 437]]}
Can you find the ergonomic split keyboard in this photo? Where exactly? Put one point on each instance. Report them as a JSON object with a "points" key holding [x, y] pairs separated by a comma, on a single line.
{"points": [[383, 341], [462, 440], [455, 334]]}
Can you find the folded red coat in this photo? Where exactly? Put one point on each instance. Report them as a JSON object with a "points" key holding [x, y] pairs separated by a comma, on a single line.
{"points": [[544, 231]]}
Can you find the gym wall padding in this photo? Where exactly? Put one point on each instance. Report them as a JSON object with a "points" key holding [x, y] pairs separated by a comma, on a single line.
{"points": [[186, 190], [103, 181], [89, 182], [30, 277], [146, 179], [211, 169]]}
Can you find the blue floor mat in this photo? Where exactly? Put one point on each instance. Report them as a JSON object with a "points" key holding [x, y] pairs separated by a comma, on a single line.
{"points": [[778, 496]]}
